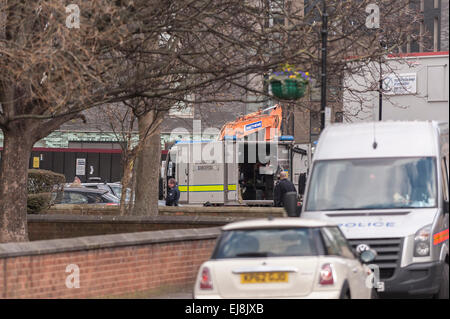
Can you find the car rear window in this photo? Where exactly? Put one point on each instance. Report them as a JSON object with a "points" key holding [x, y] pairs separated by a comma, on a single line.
{"points": [[109, 198], [245, 243], [70, 198]]}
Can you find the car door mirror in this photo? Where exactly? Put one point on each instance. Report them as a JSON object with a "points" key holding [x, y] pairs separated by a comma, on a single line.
{"points": [[367, 256]]}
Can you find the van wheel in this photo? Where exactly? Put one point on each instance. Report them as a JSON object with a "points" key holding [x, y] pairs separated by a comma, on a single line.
{"points": [[375, 294], [443, 290]]}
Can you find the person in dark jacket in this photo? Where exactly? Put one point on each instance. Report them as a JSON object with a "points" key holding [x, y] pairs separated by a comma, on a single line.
{"points": [[283, 186], [173, 194]]}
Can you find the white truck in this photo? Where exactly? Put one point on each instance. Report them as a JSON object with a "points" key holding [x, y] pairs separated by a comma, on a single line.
{"points": [[233, 172], [386, 185]]}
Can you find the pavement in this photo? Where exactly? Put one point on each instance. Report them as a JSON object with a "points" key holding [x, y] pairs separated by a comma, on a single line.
{"points": [[183, 293], [176, 295]]}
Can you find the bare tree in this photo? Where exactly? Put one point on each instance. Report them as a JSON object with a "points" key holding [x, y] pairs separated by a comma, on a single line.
{"points": [[156, 53]]}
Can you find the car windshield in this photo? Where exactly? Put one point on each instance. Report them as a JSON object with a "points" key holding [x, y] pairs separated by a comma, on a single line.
{"points": [[265, 243], [382, 183]]}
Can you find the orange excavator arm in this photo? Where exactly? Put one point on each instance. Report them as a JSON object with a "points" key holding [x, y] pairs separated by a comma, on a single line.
{"points": [[268, 119]]}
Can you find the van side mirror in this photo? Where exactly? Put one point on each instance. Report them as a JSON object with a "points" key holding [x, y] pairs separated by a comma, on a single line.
{"points": [[446, 207]]}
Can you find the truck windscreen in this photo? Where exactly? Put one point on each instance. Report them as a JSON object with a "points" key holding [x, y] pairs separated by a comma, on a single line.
{"points": [[380, 183]]}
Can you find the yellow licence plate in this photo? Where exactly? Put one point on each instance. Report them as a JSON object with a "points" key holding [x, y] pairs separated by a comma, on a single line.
{"points": [[264, 277]]}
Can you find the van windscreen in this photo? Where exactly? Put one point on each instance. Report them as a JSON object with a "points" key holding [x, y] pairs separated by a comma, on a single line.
{"points": [[381, 183]]}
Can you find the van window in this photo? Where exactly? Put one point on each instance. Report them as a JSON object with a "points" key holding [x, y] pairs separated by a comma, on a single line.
{"points": [[380, 183], [444, 178]]}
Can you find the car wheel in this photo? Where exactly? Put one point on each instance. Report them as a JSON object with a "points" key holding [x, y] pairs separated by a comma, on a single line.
{"points": [[443, 290], [346, 295], [345, 292]]}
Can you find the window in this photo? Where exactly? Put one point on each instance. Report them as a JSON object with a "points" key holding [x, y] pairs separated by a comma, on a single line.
{"points": [[94, 198], [266, 243], [336, 242], [74, 198], [437, 83], [276, 13], [315, 90], [444, 169], [379, 183], [110, 198], [436, 34], [331, 247]]}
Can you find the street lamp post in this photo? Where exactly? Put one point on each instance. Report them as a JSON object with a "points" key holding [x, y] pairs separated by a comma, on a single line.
{"points": [[380, 94], [380, 90], [323, 93]]}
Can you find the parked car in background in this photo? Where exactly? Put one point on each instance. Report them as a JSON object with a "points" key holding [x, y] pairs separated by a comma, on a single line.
{"points": [[83, 195], [114, 188], [284, 258]]}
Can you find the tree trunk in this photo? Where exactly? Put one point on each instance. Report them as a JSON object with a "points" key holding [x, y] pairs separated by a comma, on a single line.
{"points": [[130, 205], [13, 186], [147, 169], [126, 183]]}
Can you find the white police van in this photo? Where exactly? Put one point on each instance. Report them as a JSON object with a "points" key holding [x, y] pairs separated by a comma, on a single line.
{"points": [[386, 185]]}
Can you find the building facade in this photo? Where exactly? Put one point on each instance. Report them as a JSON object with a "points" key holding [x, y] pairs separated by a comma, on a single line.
{"points": [[415, 87]]}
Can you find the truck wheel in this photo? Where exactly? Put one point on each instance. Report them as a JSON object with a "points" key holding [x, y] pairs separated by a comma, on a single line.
{"points": [[443, 290]]}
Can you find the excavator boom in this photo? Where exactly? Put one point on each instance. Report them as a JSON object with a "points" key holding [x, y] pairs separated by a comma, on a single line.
{"points": [[268, 119]]}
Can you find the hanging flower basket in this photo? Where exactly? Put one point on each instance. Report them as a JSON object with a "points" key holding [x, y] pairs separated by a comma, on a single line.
{"points": [[288, 90], [289, 84]]}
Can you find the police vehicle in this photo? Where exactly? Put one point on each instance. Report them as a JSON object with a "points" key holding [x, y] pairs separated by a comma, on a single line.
{"points": [[386, 185]]}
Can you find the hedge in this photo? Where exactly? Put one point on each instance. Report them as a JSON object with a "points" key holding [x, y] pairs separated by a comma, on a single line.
{"points": [[38, 202], [44, 181], [41, 184]]}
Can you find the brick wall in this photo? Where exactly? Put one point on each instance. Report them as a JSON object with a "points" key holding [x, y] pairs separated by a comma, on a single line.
{"points": [[224, 211], [111, 265], [44, 227]]}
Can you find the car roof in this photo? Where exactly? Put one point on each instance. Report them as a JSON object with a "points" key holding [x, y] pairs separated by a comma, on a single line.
{"points": [[277, 223], [393, 138], [85, 190], [99, 183]]}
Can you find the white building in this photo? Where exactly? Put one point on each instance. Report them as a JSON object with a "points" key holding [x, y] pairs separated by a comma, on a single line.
{"points": [[415, 87]]}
